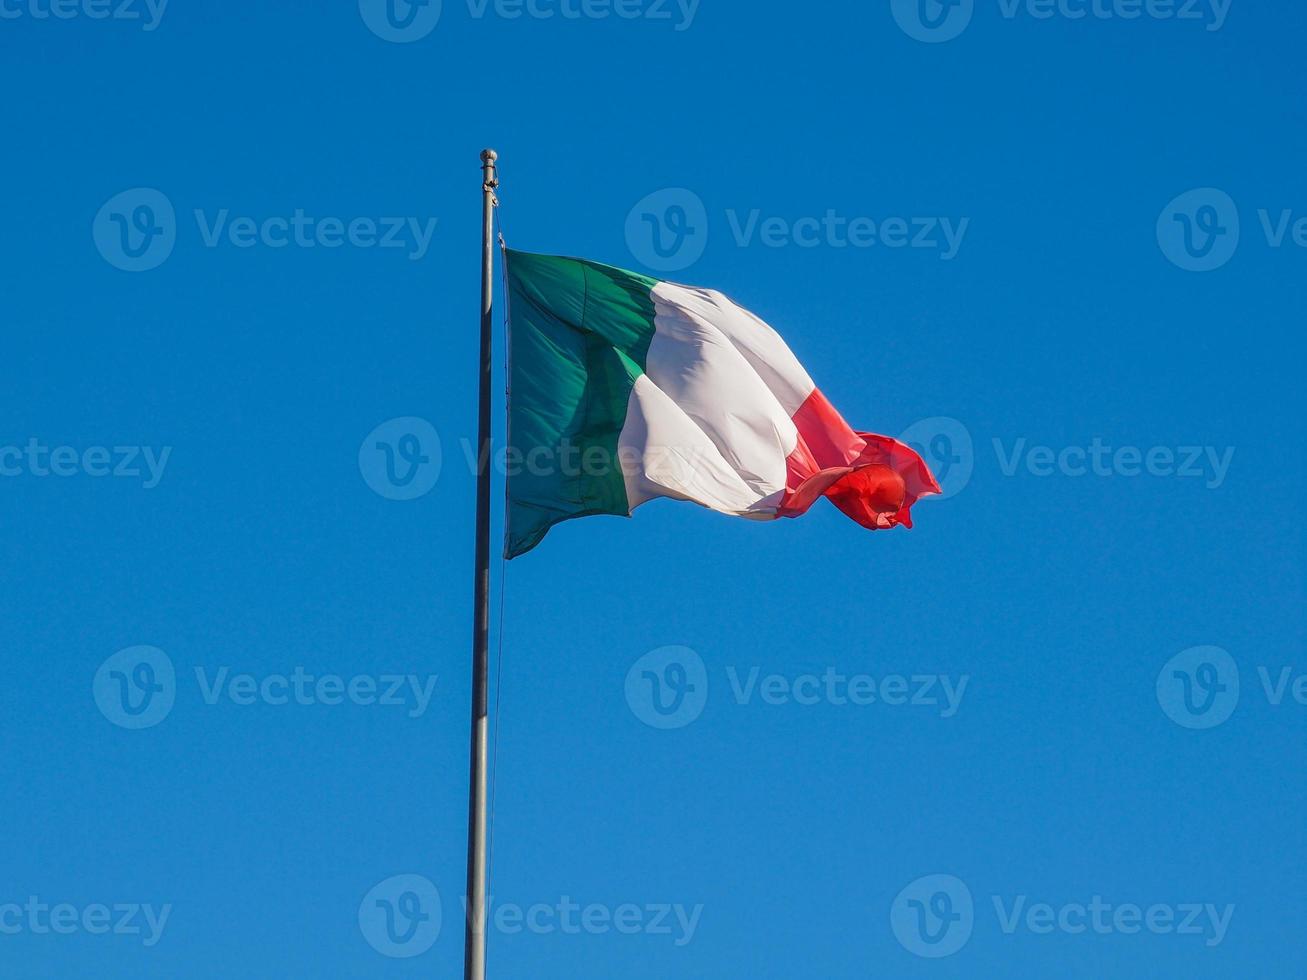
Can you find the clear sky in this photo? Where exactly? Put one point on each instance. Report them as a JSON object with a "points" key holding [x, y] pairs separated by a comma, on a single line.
{"points": [[1055, 730]]}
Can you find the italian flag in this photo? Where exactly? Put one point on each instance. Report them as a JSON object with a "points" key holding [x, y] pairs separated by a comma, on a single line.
{"points": [[623, 389]]}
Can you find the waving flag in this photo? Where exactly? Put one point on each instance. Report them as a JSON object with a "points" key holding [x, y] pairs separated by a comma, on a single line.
{"points": [[623, 389]]}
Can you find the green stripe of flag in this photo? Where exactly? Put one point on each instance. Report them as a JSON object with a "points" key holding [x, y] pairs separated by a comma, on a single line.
{"points": [[580, 334]]}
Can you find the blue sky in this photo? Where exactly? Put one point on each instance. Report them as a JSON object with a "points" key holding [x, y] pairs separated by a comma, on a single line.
{"points": [[1060, 252]]}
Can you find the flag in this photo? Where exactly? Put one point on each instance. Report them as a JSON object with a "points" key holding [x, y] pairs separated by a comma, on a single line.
{"points": [[623, 389]]}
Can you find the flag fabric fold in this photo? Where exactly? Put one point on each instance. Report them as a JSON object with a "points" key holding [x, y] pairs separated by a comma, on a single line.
{"points": [[623, 389]]}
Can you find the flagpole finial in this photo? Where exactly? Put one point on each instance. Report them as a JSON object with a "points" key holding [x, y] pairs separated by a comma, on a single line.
{"points": [[489, 156]]}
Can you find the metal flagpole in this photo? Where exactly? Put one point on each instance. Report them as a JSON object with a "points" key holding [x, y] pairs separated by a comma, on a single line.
{"points": [[474, 945]]}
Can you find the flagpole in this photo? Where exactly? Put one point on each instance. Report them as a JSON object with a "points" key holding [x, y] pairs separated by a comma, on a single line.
{"points": [[474, 945]]}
